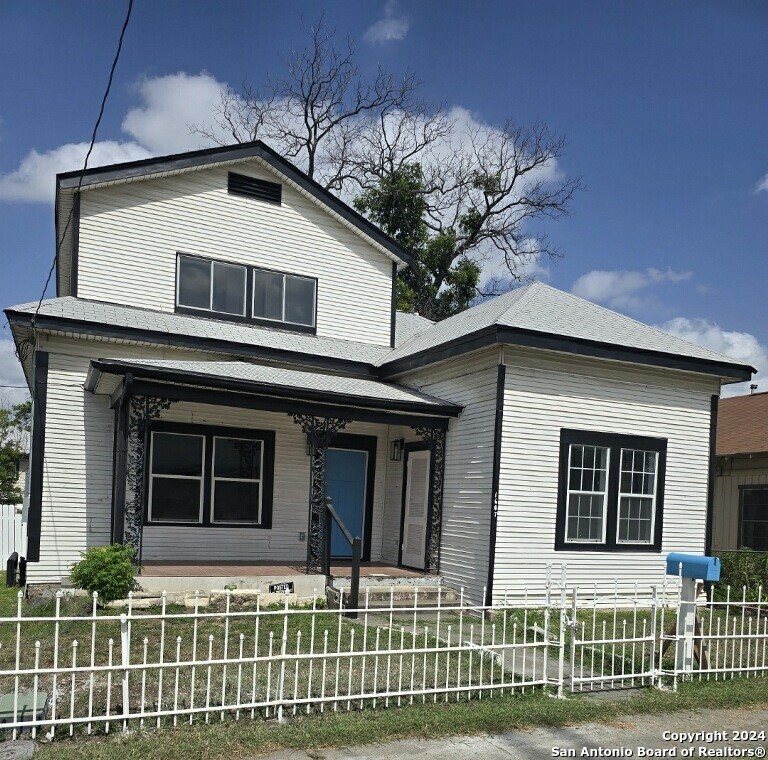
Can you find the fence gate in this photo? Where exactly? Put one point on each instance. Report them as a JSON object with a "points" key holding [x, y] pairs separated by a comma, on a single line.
{"points": [[613, 641]]}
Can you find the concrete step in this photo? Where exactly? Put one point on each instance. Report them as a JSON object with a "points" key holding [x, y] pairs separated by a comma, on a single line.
{"points": [[402, 595]]}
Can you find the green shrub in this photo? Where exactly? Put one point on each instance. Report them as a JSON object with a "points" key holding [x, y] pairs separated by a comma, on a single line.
{"points": [[743, 568], [109, 570]]}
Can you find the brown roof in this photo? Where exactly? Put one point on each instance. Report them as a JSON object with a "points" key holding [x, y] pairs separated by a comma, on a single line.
{"points": [[742, 424]]}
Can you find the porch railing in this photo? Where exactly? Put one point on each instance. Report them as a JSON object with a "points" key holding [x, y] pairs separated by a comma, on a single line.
{"points": [[355, 542]]}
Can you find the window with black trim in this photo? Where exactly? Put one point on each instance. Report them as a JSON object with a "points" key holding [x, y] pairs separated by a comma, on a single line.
{"points": [[245, 293], [753, 511], [209, 285], [210, 476], [610, 492], [282, 297]]}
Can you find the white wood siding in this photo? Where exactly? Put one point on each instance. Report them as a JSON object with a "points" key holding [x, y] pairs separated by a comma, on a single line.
{"points": [[130, 235], [77, 485], [737, 471], [471, 382], [543, 395]]}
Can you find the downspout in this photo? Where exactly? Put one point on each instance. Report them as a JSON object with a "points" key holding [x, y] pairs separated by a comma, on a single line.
{"points": [[496, 476]]}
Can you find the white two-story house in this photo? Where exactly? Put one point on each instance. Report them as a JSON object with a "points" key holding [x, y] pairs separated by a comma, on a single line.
{"points": [[224, 352]]}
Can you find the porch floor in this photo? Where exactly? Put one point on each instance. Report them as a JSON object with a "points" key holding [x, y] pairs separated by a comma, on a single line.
{"points": [[259, 569]]}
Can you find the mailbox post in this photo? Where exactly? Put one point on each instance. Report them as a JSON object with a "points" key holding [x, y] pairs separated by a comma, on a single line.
{"points": [[690, 568]]}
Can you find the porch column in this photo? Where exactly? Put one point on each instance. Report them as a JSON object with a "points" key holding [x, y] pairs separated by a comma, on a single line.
{"points": [[320, 432], [435, 437], [141, 410]]}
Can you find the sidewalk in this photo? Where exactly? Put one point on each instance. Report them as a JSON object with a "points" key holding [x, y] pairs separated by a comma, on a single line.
{"points": [[633, 733]]}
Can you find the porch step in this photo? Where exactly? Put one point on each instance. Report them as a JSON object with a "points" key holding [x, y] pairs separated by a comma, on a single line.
{"points": [[397, 595]]}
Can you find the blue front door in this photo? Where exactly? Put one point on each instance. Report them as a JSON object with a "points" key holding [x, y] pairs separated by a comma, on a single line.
{"points": [[345, 483]]}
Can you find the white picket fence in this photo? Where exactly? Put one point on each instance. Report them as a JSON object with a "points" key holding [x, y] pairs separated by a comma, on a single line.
{"points": [[71, 666], [11, 534]]}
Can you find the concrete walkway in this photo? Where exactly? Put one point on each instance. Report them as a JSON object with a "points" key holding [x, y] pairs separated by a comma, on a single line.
{"points": [[635, 733]]}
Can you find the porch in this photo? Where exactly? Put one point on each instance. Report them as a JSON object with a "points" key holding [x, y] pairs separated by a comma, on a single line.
{"points": [[222, 470]]}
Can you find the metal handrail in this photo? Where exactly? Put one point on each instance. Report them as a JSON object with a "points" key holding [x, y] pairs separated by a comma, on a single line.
{"points": [[356, 542]]}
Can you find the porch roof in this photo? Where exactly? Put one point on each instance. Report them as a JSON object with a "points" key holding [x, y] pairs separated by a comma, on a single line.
{"points": [[105, 376]]}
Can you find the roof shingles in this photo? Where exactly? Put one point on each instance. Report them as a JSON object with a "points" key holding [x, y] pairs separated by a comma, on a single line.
{"points": [[742, 425]]}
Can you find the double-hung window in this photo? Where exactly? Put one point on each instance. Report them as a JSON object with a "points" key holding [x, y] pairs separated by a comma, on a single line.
{"points": [[210, 476], [610, 495], [213, 286]]}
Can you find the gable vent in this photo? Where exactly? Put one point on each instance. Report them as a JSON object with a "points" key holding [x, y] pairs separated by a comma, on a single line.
{"points": [[239, 184]]}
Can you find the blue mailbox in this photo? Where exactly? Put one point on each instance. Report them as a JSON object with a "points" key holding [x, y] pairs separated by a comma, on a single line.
{"points": [[694, 566]]}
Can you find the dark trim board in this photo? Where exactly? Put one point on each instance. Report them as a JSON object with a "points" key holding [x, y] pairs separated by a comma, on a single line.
{"points": [[393, 316], [369, 444], [713, 404], [37, 455], [407, 449], [121, 462], [613, 441], [75, 246], [495, 478]]}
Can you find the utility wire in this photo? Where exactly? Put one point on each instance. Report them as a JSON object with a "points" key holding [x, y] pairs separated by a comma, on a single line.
{"points": [[60, 241]]}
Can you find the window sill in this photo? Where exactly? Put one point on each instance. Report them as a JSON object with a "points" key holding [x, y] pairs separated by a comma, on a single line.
{"points": [[223, 317], [562, 546], [237, 526]]}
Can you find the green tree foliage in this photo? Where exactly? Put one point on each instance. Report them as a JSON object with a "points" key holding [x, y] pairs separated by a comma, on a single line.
{"points": [[15, 422], [441, 283], [109, 570]]}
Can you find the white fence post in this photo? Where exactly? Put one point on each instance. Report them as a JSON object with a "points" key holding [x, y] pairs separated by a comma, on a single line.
{"points": [[125, 653], [686, 624]]}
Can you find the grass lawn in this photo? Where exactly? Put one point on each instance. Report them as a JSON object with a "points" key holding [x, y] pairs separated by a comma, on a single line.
{"points": [[501, 713]]}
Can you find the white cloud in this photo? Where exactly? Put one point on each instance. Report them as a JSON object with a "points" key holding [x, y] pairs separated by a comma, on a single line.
{"points": [[389, 28], [762, 184], [170, 105], [11, 374], [34, 179], [742, 346], [624, 289], [161, 124]]}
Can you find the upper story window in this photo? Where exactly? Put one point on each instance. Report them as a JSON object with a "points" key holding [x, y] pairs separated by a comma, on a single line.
{"points": [[236, 291], [283, 297], [211, 286], [610, 492]]}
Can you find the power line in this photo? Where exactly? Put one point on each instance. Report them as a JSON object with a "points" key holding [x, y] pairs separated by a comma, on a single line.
{"points": [[60, 241]]}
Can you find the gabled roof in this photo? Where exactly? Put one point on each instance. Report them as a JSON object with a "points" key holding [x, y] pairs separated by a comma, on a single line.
{"points": [[742, 425], [67, 183], [277, 382], [541, 316]]}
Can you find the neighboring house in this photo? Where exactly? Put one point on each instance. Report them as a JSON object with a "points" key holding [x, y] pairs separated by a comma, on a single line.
{"points": [[740, 517], [224, 350]]}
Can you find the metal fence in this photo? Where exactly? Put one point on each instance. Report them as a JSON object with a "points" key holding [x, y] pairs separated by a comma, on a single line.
{"points": [[69, 666]]}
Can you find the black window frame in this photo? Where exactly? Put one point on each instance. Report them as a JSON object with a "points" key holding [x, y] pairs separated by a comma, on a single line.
{"points": [[742, 489], [249, 277], [282, 323], [209, 432], [614, 442], [198, 310]]}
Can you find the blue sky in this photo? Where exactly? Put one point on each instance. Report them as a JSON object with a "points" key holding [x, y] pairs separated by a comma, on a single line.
{"points": [[664, 107]]}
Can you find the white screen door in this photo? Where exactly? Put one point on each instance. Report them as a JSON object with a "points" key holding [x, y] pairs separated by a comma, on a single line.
{"points": [[416, 509]]}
